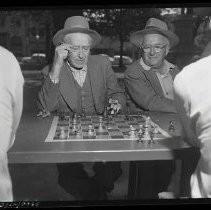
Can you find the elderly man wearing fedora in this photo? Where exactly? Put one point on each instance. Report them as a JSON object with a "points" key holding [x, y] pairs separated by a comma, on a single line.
{"points": [[149, 84], [149, 80], [79, 82]]}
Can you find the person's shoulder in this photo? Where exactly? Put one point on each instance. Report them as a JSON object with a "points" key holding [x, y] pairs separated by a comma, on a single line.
{"points": [[5, 53], [133, 68], [201, 65], [98, 59], [198, 68]]}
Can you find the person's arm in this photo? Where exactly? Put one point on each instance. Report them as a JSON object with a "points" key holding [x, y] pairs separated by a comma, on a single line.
{"points": [[144, 95], [49, 95], [11, 104], [182, 101]]}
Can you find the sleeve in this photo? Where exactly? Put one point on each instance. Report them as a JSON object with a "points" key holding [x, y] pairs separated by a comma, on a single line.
{"points": [[182, 101], [11, 104], [48, 96], [114, 90], [143, 94], [18, 98], [11, 101]]}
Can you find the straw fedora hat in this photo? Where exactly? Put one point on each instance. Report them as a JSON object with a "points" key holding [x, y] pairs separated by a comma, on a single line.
{"points": [[154, 26], [76, 24]]}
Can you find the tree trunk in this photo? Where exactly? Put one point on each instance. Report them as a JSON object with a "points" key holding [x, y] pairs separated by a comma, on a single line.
{"points": [[121, 49], [121, 39]]}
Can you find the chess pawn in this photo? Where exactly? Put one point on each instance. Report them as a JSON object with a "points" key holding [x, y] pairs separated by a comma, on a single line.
{"points": [[146, 132], [74, 129], [155, 130], [132, 132], [147, 121], [100, 127], [140, 132], [62, 134], [90, 130], [74, 115]]}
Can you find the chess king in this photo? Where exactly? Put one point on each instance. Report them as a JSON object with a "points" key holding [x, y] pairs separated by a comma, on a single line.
{"points": [[79, 81]]}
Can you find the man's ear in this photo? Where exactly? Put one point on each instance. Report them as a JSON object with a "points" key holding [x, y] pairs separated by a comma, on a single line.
{"points": [[167, 50]]}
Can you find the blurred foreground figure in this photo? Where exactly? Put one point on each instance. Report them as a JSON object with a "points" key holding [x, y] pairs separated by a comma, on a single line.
{"points": [[192, 95], [11, 104]]}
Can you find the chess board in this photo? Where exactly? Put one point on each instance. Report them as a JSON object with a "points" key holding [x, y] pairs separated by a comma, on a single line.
{"points": [[113, 128]]}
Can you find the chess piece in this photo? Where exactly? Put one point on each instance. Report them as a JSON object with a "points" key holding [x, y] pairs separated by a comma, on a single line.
{"points": [[74, 115], [62, 115], [151, 134], [78, 132], [141, 129], [171, 126], [100, 127], [90, 130], [145, 132], [155, 130], [62, 134], [83, 113], [147, 121], [132, 132], [105, 113], [74, 128]]}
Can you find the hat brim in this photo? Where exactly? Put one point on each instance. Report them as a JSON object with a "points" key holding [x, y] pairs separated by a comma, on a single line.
{"points": [[137, 37], [58, 37]]}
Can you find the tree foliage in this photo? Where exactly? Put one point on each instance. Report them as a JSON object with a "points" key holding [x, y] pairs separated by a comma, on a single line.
{"points": [[119, 22]]}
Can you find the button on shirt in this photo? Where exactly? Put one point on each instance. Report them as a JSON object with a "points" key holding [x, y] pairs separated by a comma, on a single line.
{"points": [[79, 75], [165, 80]]}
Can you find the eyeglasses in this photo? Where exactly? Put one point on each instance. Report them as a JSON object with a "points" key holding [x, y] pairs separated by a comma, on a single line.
{"points": [[157, 48]]}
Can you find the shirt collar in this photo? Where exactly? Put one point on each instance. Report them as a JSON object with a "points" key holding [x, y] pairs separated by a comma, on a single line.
{"points": [[76, 70], [167, 65]]}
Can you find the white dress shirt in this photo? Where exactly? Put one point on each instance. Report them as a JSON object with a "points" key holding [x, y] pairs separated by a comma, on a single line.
{"points": [[193, 99], [11, 104], [166, 80]]}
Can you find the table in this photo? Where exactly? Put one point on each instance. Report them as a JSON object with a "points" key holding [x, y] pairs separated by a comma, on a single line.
{"points": [[29, 146]]}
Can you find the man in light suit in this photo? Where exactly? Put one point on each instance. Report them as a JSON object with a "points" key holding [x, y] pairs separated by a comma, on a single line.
{"points": [[79, 82], [149, 84]]}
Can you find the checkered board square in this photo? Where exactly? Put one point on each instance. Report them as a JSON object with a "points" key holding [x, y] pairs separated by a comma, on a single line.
{"points": [[113, 128]]}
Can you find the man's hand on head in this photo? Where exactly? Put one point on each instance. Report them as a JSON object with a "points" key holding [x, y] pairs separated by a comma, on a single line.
{"points": [[61, 53]]}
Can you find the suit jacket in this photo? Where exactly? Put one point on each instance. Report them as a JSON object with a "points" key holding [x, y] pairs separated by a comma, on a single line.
{"points": [[63, 96], [145, 91]]}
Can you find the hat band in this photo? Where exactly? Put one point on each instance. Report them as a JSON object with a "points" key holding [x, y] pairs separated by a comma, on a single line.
{"points": [[154, 27], [79, 26]]}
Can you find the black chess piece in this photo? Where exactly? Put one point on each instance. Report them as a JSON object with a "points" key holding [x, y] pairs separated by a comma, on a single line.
{"points": [[151, 134], [62, 115], [105, 113], [171, 126], [83, 113]]}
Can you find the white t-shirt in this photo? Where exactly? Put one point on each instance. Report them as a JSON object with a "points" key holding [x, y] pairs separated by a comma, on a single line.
{"points": [[11, 105], [193, 99]]}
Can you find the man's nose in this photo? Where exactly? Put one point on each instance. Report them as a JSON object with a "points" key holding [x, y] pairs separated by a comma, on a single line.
{"points": [[80, 53], [152, 51]]}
